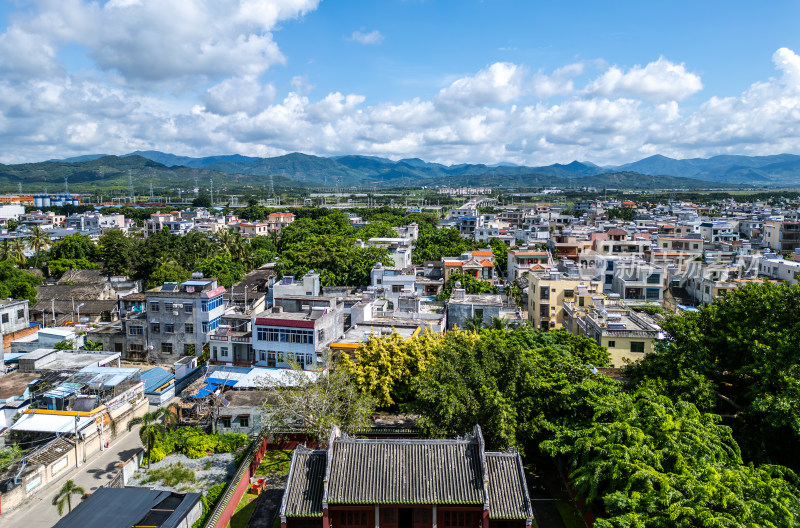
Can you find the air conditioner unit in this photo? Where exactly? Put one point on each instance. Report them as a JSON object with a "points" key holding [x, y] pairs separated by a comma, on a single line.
{"points": [[176, 312]]}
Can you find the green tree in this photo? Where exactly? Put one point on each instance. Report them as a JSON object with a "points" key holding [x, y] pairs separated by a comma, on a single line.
{"points": [[167, 272], [468, 282], [38, 240], [75, 247], [118, 251], [386, 367], [739, 357], [316, 403], [17, 284], [224, 268], [203, 200], [65, 494], [152, 427], [58, 267], [658, 463]]}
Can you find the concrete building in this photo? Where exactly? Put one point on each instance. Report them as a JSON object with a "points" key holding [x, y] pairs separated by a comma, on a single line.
{"points": [[179, 318], [782, 236], [463, 306], [547, 293], [628, 335], [523, 260], [297, 330], [638, 282], [780, 269]]}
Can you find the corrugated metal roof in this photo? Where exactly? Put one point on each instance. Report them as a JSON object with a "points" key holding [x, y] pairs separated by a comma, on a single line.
{"points": [[508, 493], [155, 378], [50, 423], [303, 495], [405, 472]]}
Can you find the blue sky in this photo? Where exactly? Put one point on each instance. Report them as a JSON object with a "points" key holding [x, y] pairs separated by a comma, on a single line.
{"points": [[449, 81]]}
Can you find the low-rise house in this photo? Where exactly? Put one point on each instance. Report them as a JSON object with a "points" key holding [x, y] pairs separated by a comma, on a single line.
{"points": [[140, 507], [628, 335], [547, 293], [780, 269], [463, 308], [523, 260]]}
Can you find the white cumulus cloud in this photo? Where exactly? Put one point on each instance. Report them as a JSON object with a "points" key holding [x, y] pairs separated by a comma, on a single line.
{"points": [[369, 38], [502, 82], [658, 81]]}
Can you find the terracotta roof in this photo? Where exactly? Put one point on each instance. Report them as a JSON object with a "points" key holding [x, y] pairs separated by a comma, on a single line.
{"points": [[480, 253], [453, 263], [487, 264]]}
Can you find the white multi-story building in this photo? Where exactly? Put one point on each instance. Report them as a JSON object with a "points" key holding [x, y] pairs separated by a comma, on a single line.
{"points": [[780, 269], [297, 330]]}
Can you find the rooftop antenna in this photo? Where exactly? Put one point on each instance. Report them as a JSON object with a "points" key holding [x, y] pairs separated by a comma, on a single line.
{"points": [[151, 192]]}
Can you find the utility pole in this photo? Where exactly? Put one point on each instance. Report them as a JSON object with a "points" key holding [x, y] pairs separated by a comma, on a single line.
{"points": [[66, 184], [271, 187], [130, 185]]}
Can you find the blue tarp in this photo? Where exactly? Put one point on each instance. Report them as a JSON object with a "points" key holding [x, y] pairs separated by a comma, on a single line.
{"points": [[218, 381]]}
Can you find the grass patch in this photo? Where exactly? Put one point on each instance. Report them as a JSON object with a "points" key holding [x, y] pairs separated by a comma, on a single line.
{"points": [[275, 462], [244, 510], [170, 476]]}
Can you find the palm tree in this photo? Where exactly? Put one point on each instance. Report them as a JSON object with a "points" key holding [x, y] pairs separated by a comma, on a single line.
{"points": [[38, 241], [474, 323], [17, 253], [65, 494], [152, 427]]}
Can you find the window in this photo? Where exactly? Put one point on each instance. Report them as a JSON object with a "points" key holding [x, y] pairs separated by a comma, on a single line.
{"points": [[655, 278], [166, 348], [167, 306], [637, 346], [187, 308], [223, 351], [456, 519], [353, 519], [612, 344], [169, 328], [568, 294], [135, 330], [211, 304], [155, 307], [5, 318], [188, 328], [479, 312], [580, 301], [270, 358], [280, 357], [155, 328], [244, 421], [225, 421], [20, 314], [187, 349], [397, 288]]}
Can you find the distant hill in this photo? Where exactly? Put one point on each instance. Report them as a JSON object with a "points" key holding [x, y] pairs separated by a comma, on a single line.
{"points": [[298, 170]]}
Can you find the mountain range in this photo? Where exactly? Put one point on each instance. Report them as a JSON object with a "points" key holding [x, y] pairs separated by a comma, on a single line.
{"points": [[302, 170]]}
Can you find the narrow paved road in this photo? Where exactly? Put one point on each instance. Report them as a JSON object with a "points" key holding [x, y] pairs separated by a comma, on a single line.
{"points": [[40, 513]]}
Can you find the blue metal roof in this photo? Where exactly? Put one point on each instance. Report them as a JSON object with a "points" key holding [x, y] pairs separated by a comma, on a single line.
{"points": [[155, 378]]}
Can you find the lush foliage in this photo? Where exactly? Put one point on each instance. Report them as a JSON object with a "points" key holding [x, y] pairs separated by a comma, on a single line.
{"points": [[435, 243], [739, 357], [17, 284], [59, 267], [468, 282], [623, 213], [653, 462], [386, 367], [194, 443], [638, 458]]}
